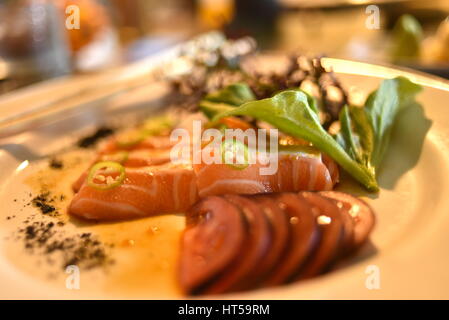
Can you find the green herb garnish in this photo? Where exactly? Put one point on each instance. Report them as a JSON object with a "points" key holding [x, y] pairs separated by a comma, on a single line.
{"points": [[365, 133], [99, 176], [225, 99]]}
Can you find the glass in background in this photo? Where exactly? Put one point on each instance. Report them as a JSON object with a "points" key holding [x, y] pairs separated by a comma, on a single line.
{"points": [[323, 27], [255, 18], [32, 43]]}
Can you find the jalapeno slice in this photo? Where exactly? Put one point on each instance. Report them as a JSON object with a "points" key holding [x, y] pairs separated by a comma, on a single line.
{"points": [[131, 138], [157, 125], [101, 172], [230, 151]]}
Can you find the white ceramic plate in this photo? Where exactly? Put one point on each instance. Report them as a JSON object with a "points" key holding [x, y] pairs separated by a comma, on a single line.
{"points": [[408, 257]]}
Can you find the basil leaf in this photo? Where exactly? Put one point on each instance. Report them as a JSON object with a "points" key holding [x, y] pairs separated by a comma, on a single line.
{"points": [[381, 109], [356, 135], [350, 138], [365, 132], [211, 109], [290, 112], [312, 101], [225, 99], [407, 38], [234, 94]]}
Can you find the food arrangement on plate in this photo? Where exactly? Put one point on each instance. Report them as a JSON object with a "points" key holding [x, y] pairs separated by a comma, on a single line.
{"points": [[245, 228]]}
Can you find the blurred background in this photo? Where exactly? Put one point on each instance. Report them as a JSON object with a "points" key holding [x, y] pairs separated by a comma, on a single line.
{"points": [[46, 39]]}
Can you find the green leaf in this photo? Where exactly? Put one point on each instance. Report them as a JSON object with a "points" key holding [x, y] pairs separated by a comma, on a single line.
{"points": [[407, 38], [290, 112], [234, 94], [381, 108], [156, 125], [349, 137], [365, 131], [356, 135], [211, 109], [225, 99], [312, 101]]}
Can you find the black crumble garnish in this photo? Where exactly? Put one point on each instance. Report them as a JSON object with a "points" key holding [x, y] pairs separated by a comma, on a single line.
{"points": [[91, 140], [47, 238], [42, 201], [45, 203], [56, 164]]}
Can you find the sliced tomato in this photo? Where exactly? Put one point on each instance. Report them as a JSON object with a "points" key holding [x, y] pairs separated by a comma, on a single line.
{"points": [[213, 240], [330, 222], [304, 237], [361, 213], [280, 230], [245, 271]]}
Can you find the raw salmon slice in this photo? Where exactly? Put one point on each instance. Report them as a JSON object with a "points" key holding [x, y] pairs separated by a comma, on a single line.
{"points": [[134, 159], [151, 142], [297, 171], [145, 191]]}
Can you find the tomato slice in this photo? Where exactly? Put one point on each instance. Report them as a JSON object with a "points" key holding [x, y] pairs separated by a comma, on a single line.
{"points": [[245, 272], [213, 240], [330, 222]]}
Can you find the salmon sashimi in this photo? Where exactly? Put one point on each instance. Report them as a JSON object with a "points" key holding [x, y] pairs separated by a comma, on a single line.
{"points": [[151, 142], [131, 159], [155, 185], [306, 170], [144, 192]]}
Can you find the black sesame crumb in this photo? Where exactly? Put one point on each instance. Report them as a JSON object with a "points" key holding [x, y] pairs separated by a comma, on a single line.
{"points": [[92, 139], [41, 201], [56, 164], [45, 203], [47, 238]]}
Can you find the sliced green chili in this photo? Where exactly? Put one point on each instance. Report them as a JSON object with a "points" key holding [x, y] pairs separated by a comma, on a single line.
{"points": [[157, 125], [234, 147], [130, 139], [100, 171]]}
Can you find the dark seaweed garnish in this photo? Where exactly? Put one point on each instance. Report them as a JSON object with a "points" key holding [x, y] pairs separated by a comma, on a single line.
{"points": [[91, 140], [192, 88], [56, 164], [83, 249]]}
